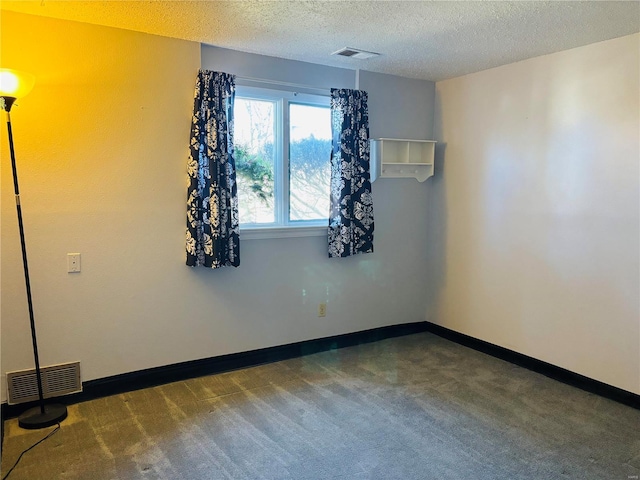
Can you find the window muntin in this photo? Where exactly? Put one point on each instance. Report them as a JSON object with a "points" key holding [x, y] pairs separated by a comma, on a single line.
{"points": [[283, 147]]}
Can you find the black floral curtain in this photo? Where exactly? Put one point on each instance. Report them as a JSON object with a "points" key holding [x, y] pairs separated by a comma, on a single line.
{"points": [[212, 196], [351, 218]]}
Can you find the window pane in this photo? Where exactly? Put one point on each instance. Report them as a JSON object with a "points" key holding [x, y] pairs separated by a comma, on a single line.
{"points": [[309, 162], [254, 139]]}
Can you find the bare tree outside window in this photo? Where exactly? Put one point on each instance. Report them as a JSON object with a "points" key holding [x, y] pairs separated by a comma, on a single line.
{"points": [[309, 162]]}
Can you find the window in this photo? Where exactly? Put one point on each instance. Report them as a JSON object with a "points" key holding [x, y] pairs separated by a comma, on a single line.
{"points": [[282, 152]]}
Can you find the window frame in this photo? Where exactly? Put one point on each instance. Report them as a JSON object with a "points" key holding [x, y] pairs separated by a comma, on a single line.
{"points": [[282, 226]]}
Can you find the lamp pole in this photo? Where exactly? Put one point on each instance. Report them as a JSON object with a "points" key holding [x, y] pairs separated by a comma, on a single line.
{"points": [[25, 264], [43, 415]]}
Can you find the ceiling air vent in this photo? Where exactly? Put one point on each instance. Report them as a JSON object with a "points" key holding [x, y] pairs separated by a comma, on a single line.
{"points": [[355, 53]]}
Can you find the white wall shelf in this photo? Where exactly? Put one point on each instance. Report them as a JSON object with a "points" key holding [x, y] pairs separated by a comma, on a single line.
{"points": [[400, 158]]}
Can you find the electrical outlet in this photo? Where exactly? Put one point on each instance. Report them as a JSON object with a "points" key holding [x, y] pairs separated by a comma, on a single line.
{"points": [[73, 262], [322, 310]]}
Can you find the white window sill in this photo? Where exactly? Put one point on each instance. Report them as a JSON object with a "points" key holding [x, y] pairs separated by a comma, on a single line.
{"points": [[257, 233]]}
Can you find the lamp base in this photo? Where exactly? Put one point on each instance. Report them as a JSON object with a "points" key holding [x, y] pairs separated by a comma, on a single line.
{"points": [[34, 419]]}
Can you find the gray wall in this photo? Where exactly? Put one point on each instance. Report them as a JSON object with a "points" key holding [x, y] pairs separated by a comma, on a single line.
{"points": [[398, 107], [287, 278]]}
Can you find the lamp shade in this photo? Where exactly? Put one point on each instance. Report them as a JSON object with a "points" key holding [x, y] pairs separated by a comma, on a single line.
{"points": [[14, 83]]}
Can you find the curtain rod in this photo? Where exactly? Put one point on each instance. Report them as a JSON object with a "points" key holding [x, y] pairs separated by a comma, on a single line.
{"points": [[296, 85], [283, 84]]}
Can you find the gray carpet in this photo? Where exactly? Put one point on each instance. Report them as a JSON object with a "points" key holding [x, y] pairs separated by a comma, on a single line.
{"points": [[414, 407]]}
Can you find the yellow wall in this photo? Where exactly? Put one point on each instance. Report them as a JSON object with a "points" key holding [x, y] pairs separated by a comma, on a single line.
{"points": [[101, 145]]}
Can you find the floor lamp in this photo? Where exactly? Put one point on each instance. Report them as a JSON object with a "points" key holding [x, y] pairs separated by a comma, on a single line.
{"points": [[14, 85]]}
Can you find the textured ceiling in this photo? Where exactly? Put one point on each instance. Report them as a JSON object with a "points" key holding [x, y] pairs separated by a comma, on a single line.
{"points": [[419, 39]]}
